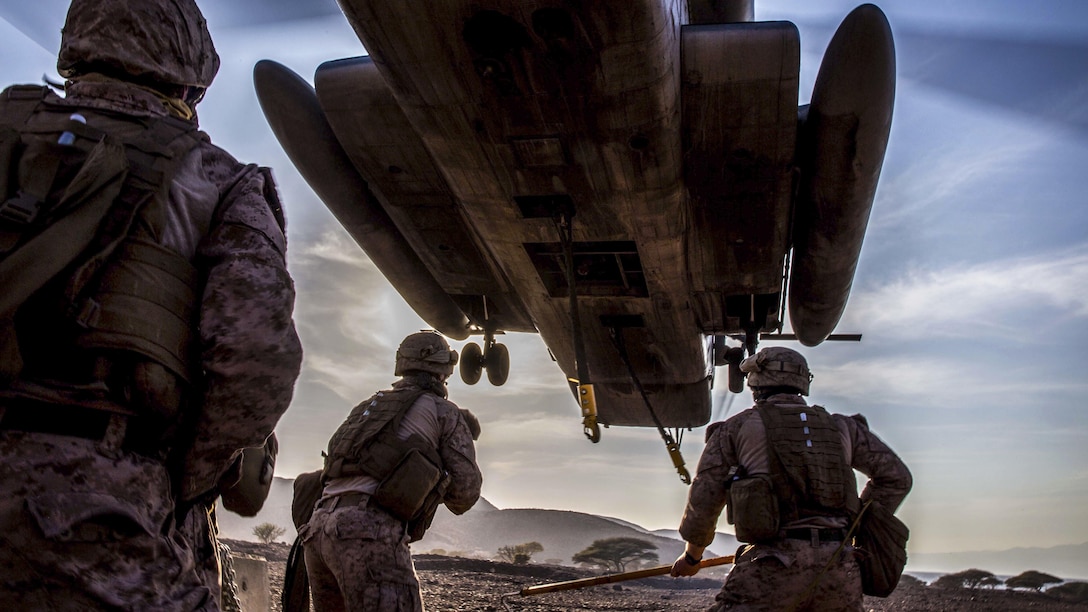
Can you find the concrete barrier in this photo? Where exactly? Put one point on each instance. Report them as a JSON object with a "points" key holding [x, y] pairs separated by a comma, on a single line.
{"points": [[251, 582]]}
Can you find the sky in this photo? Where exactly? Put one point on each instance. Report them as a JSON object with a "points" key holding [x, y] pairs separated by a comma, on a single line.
{"points": [[971, 292]]}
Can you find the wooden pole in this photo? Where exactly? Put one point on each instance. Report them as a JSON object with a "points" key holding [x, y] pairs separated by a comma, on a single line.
{"points": [[581, 583]]}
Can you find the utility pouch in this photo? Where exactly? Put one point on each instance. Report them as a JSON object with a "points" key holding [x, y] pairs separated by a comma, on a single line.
{"points": [[418, 526], [403, 492], [754, 509], [881, 549], [307, 491]]}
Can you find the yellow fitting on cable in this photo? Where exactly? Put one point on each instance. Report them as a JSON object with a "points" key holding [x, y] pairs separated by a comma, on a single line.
{"points": [[588, 401], [678, 462]]}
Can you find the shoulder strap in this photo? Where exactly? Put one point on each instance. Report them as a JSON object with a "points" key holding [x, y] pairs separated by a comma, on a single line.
{"points": [[151, 169]]}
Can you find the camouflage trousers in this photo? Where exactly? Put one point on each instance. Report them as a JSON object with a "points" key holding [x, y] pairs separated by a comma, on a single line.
{"points": [[212, 556], [792, 576], [86, 527], [358, 559]]}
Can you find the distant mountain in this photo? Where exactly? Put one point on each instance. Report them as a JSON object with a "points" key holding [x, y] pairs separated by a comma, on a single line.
{"points": [[483, 530], [1068, 561]]}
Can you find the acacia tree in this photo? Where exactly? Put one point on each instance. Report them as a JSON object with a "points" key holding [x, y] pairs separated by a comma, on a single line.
{"points": [[1074, 592], [1032, 579], [267, 532], [971, 579], [616, 553], [520, 554]]}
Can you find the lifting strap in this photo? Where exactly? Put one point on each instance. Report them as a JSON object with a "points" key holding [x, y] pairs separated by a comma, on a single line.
{"points": [[671, 444]]}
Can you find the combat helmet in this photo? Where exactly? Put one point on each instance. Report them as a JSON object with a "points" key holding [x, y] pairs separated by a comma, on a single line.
{"points": [[151, 42], [425, 351], [777, 367]]}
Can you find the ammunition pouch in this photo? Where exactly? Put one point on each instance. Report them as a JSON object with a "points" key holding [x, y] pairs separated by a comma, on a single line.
{"points": [[408, 485], [753, 509], [419, 525], [412, 482]]}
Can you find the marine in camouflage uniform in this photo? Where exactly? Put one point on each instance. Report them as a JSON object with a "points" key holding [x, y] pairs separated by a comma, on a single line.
{"points": [[357, 553], [98, 485], [804, 565]]}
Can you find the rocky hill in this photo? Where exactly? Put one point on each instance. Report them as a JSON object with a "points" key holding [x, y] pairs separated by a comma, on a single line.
{"points": [[483, 530]]}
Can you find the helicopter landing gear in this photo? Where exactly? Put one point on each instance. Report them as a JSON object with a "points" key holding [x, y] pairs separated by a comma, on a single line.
{"points": [[497, 362], [472, 363], [494, 357], [725, 355]]}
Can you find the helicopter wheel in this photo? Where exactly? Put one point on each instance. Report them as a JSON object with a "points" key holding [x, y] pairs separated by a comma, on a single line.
{"points": [[472, 364], [497, 362]]}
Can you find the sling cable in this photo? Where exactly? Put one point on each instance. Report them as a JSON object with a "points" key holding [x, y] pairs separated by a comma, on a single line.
{"points": [[586, 398]]}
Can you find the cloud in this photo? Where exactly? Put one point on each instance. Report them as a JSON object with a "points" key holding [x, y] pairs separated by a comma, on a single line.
{"points": [[957, 302]]}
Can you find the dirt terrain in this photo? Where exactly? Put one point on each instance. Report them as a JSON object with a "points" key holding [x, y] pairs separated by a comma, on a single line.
{"points": [[454, 584]]}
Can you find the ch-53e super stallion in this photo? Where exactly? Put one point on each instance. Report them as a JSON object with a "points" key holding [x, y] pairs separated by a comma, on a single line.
{"points": [[631, 179]]}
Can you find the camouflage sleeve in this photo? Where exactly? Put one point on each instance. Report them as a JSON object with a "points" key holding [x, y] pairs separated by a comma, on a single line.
{"points": [[707, 496], [459, 457], [250, 351], [889, 478]]}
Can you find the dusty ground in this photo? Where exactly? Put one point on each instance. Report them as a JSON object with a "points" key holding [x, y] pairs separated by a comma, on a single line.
{"points": [[452, 584]]}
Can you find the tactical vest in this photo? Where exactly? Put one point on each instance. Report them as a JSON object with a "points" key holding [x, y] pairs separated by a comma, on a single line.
{"points": [[809, 472], [410, 473], [90, 298]]}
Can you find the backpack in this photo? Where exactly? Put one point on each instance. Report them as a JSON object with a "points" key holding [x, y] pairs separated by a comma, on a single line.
{"points": [[74, 184]]}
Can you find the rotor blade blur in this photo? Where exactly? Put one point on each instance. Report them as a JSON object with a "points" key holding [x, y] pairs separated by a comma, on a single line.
{"points": [[245, 13], [1044, 78], [40, 21]]}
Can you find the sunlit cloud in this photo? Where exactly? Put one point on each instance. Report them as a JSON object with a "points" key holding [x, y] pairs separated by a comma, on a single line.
{"points": [[956, 302]]}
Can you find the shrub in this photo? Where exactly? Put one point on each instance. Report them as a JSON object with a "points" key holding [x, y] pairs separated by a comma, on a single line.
{"points": [[268, 533], [520, 554]]}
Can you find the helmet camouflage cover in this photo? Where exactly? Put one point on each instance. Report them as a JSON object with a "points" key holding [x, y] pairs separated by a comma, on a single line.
{"points": [[777, 367], [155, 41], [425, 351]]}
